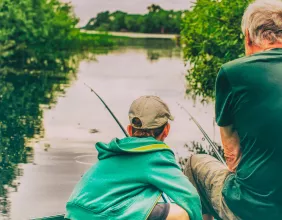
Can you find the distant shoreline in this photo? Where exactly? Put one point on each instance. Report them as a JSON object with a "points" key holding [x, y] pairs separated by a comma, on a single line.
{"points": [[134, 34]]}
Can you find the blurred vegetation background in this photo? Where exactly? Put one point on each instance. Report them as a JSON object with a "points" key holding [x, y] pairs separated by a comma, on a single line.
{"points": [[157, 20], [211, 36]]}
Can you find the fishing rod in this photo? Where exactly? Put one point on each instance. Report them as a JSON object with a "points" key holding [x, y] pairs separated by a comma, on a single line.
{"points": [[212, 144], [164, 196], [112, 114]]}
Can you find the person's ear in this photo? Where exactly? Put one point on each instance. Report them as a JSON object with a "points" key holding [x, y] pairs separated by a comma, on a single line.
{"points": [[129, 130], [166, 130], [248, 40], [248, 43]]}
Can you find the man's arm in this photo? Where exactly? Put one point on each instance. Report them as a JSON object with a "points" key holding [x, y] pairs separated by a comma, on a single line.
{"points": [[231, 146], [224, 110]]}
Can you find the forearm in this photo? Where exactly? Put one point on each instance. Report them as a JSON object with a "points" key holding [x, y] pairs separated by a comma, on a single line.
{"points": [[177, 213], [231, 147]]}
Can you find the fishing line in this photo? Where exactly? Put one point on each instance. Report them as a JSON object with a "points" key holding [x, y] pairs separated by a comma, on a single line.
{"points": [[212, 144], [112, 114]]}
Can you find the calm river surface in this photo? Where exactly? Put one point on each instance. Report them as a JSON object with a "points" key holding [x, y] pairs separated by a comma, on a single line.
{"points": [[76, 120]]}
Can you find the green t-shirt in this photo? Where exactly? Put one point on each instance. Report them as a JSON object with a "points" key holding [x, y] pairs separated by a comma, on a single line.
{"points": [[249, 96]]}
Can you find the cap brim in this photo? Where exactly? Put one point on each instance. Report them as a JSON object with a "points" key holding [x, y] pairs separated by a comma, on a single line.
{"points": [[171, 118]]}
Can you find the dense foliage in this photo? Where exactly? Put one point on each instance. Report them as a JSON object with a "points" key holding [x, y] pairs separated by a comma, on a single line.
{"points": [[211, 34], [32, 29], [157, 20]]}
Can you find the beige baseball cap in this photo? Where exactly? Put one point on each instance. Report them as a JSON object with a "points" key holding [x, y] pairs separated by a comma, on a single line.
{"points": [[151, 111]]}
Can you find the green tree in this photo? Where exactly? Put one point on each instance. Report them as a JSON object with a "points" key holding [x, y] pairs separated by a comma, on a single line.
{"points": [[173, 23], [133, 23], [117, 21], [154, 8], [100, 19], [157, 20], [211, 34]]}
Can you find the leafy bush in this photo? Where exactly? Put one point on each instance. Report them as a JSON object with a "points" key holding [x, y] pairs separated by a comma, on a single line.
{"points": [[31, 24], [211, 34], [33, 32]]}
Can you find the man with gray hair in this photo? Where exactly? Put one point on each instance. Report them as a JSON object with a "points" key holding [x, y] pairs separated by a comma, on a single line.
{"points": [[249, 113]]}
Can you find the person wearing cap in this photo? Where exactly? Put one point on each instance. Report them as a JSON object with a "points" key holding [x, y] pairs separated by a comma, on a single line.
{"points": [[132, 174]]}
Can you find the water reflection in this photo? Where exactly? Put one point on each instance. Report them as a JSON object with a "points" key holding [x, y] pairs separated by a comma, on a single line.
{"points": [[27, 87], [25, 90], [156, 48], [29, 93]]}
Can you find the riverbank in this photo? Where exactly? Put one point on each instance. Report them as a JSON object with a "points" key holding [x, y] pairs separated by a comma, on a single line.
{"points": [[134, 35]]}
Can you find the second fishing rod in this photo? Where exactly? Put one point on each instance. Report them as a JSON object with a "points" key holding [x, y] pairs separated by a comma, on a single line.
{"points": [[212, 144]]}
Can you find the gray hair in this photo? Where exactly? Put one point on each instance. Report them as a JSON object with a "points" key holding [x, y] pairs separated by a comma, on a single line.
{"points": [[263, 20]]}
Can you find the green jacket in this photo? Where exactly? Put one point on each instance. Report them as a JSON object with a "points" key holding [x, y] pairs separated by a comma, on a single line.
{"points": [[128, 181]]}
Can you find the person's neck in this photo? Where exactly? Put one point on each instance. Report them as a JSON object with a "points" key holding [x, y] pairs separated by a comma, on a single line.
{"points": [[273, 46], [266, 47], [253, 48]]}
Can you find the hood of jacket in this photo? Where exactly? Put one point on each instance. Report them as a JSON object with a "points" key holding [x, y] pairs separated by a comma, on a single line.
{"points": [[129, 145]]}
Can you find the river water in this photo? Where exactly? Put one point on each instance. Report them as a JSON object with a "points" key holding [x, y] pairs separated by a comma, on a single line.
{"points": [[72, 120]]}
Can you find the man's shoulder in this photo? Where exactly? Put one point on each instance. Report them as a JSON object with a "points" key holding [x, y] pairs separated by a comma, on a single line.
{"points": [[238, 63], [242, 64]]}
